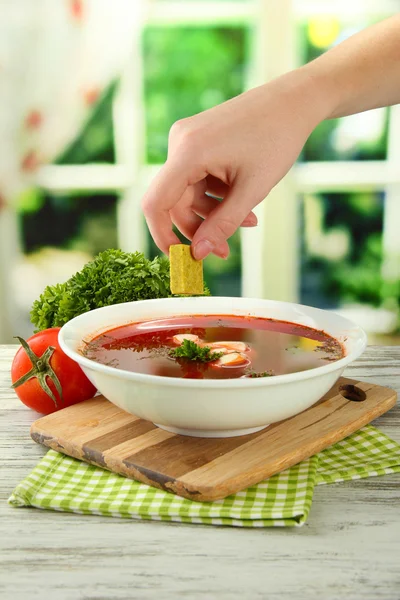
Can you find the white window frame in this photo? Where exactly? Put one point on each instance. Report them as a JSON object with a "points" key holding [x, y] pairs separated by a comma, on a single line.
{"points": [[269, 262]]}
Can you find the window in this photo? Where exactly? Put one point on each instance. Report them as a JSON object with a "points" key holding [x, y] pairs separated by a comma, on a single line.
{"points": [[346, 168]]}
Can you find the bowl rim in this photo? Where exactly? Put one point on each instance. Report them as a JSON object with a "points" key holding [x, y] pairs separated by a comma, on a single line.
{"points": [[248, 382]]}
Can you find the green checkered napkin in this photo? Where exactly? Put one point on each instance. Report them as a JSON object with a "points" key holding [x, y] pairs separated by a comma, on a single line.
{"points": [[62, 483]]}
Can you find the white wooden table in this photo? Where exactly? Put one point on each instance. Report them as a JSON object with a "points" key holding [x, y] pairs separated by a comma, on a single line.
{"points": [[349, 548]]}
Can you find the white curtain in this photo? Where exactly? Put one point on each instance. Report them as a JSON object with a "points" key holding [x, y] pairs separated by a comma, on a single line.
{"points": [[56, 59]]}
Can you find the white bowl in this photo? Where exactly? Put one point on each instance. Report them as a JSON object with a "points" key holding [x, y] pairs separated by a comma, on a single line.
{"points": [[213, 407]]}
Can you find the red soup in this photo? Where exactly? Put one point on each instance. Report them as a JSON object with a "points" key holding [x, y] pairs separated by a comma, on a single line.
{"points": [[214, 347]]}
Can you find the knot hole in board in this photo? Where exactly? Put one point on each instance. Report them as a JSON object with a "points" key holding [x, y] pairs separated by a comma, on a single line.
{"points": [[352, 392]]}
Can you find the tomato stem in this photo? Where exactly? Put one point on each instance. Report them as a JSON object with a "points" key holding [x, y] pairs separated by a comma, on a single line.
{"points": [[41, 369]]}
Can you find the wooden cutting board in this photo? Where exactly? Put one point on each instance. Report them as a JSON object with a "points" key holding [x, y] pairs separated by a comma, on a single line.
{"points": [[203, 469]]}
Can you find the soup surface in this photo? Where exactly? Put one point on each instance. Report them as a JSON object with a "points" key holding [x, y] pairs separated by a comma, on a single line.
{"points": [[214, 347]]}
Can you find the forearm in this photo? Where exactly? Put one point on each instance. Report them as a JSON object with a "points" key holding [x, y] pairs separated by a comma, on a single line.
{"points": [[361, 73]]}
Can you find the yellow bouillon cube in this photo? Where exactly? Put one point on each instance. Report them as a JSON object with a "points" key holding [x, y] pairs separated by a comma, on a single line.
{"points": [[186, 273]]}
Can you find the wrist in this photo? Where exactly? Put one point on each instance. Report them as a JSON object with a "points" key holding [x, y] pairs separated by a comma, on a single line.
{"points": [[319, 93], [305, 93]]}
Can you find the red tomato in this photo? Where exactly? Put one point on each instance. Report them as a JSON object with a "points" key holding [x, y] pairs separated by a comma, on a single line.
{"points": [[51, 372]]}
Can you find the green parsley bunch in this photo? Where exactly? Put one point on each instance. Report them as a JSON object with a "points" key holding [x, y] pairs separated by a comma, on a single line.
{"points": [[112, 277]]}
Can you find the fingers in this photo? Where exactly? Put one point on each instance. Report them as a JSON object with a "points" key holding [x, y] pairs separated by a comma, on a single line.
{"points": [[219, 189], [204, 205], [224, 220], [188, 221], [193, 207], [164, 193], [164, 204]]}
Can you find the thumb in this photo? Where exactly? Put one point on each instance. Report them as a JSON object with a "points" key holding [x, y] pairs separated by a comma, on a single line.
{"points": [[224, 220]]}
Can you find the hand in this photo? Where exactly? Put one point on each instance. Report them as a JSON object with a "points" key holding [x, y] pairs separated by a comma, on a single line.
{"points": [[237, 151]]}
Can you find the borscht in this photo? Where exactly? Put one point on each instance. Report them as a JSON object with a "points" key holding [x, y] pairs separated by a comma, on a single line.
{"points": [[214, 347]]}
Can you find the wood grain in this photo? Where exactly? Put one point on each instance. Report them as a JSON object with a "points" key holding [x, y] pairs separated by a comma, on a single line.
{"points": [[202, 468], [349, 547]]}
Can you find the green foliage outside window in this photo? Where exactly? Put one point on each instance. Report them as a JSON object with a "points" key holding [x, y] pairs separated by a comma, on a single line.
{"points": [[322, 144], [355, 276], [188, 70]]}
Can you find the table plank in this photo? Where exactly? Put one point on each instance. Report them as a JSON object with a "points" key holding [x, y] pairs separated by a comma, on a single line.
{"points": [[348, 548]]}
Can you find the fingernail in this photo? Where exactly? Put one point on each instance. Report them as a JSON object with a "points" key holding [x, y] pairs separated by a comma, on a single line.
{"points": [[222, 251], [250, 221], [202, 249]]}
